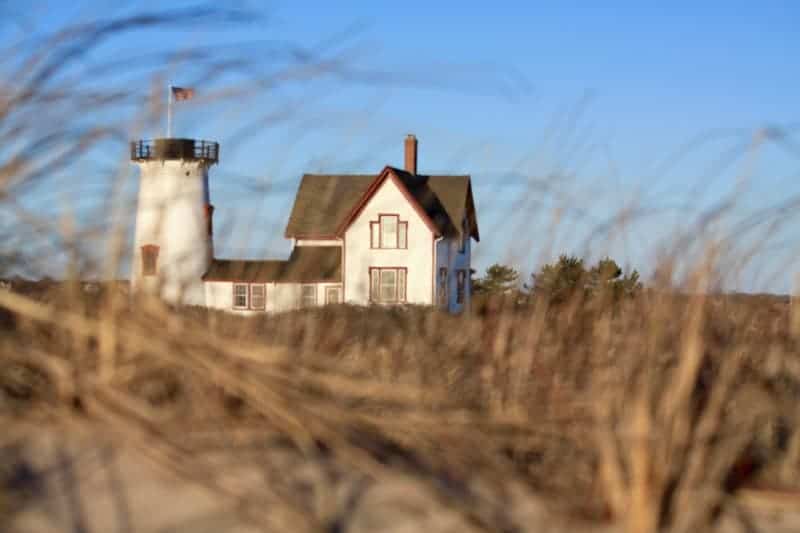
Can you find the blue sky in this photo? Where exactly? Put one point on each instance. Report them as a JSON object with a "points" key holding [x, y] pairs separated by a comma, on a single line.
{"points": [[605, 104]]}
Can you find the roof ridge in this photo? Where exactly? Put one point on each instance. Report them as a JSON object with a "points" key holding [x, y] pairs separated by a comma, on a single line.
{"points": [[324, 202]]}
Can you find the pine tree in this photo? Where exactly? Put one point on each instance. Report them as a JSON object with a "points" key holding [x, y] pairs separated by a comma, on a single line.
{"points": [[498, 279]]}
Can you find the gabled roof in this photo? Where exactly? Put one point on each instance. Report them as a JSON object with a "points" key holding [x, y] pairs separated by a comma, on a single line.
{"points": [[326, 203], [323, 201], [307, 264]]}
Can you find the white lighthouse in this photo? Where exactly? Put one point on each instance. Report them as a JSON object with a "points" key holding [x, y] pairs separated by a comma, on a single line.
{"points": [[173, 246]]}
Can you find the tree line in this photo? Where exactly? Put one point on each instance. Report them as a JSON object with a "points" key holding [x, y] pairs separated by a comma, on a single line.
{"points": [[567, 278]]}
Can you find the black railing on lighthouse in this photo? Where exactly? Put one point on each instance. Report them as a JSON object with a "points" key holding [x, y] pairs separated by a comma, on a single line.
{"points": [[190, 149]]}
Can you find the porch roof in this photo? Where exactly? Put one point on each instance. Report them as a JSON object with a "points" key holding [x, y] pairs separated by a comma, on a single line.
{"points": [[306, 264]]}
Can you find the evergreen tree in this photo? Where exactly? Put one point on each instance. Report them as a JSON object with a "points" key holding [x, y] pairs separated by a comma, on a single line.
{"points": [[498, 279], [569, 277]]}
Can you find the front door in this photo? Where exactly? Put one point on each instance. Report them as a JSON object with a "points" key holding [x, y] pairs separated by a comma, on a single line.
{"points": [[333, 295]]}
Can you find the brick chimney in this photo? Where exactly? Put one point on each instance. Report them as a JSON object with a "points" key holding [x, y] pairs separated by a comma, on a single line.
{"points": [[411, 154]]}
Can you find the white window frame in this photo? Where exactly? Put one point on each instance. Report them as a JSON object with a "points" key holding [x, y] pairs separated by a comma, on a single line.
{"points": [[246, 295], [253, 297], [303, 288], [330, 289]]}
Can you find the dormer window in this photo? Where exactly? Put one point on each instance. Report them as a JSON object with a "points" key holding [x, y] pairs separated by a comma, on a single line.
{"points": [[388, 232], [149, 260]]}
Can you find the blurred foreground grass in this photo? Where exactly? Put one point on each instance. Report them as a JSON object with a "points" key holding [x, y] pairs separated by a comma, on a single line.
{"points": [[651, 412]]}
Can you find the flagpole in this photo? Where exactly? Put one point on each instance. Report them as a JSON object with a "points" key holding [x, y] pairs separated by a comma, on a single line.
{"points": [[169, 112]]}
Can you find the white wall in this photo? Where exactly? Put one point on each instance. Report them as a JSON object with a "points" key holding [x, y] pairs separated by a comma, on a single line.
{"points": [[280, 296], [418, 258], [171, 215], [318, 242]]}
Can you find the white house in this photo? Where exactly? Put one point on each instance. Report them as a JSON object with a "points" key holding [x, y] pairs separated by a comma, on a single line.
{"points": [[392, 238]]}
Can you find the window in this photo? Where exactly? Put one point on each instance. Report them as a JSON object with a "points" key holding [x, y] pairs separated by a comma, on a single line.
{"points": [[209, 214], [464, 236], [308, 295], [388, 232], [387, 285], [240, 294], [149, 260], [461, 285], [250, 296], [442, 293], [258, 296], [333, 295], [374, 235], [401, 285], [402, 235]]}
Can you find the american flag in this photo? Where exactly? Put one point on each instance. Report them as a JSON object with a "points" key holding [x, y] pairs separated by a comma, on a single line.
{"points": [[182, 93]]}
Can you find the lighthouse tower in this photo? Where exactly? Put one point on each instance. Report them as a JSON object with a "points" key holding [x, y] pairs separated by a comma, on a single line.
{"points": [[173, 246]]}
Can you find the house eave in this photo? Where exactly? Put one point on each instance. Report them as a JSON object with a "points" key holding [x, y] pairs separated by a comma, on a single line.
{"points": [[386, 173]]}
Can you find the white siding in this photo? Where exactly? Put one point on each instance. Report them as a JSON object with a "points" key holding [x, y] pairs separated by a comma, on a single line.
{"points": [[359, 257], [219, 295], [280, 296], [318, 242]]}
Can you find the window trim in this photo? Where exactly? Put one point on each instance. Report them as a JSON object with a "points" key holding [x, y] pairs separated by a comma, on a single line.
{"points": [[461, 286], [376, 225], [374, 230], [263, 305], [399, 298], [302, 298], [249, 305], [150, 250], [332, 288], [443, 286], [247, 295]]}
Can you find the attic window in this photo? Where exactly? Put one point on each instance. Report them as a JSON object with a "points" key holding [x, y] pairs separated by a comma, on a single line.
{"points": [[388, 232], [149, 260]]}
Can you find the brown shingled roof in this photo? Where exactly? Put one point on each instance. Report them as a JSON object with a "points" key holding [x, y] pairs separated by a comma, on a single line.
{"points": [[324, 201], [307, 264]]}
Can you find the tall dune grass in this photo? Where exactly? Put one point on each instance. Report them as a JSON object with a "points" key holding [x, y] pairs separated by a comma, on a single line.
{"points": [[649, 413]]}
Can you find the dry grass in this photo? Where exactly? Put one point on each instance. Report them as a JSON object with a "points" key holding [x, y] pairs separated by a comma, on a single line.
{"points": [[650, 413], [653, 412]]}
